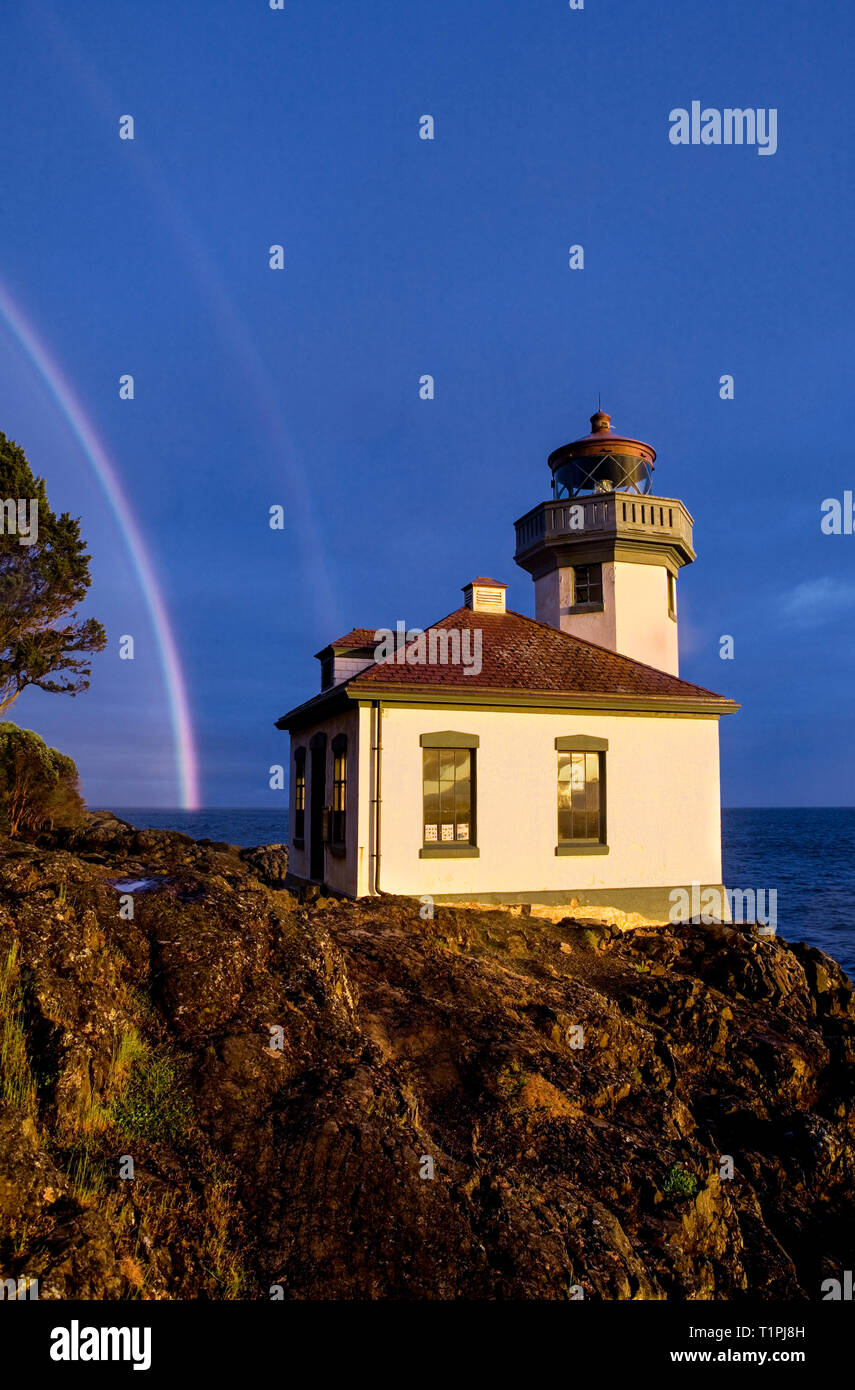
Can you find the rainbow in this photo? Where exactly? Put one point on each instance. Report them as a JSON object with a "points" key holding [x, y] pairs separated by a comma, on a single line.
{"points": [[187, 764]]}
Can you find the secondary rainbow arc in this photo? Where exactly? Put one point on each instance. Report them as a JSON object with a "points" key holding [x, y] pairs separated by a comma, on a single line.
{"points": [[187, 764]]}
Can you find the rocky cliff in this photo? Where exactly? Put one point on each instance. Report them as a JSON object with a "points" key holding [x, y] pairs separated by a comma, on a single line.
{"points": [[339, 1100]]}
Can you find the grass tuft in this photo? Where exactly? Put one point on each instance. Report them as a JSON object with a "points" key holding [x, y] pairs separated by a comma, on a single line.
{"points": [[679, 1182], [153, 1105], [17, 1082]]}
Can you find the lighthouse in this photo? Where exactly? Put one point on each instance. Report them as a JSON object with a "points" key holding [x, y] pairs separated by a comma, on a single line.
{"points": [[605, 551], [557, 761]]}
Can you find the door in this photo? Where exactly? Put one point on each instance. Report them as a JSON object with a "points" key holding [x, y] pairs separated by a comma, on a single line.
{"points": [[317, 792]]}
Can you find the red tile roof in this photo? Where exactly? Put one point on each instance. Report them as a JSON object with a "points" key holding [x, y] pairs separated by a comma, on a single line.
{"points": [[494, 583], [357, 637], [521, 654], [522, 660]]}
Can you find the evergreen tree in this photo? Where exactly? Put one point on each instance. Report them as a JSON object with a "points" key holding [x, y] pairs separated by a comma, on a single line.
{"points": [[38, 785], [43, 577]]}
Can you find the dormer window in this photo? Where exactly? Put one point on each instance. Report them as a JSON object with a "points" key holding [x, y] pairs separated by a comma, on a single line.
{"points": [[347, 657]]}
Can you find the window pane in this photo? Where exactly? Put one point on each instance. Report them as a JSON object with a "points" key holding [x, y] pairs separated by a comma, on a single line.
{"points": [[592, 780], [461, 786], [565, 822], [461, 762], [447, 795], [300, 794], [577, 780], [431, 794], [588, 584], [339, 775], [579, 802]]}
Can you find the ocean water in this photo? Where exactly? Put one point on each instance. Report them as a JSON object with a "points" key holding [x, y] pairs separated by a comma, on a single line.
{"points": [[244, 828], [806, 855]]}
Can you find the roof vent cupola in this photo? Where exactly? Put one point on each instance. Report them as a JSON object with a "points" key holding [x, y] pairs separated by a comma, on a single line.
{"points": [[485, 595]]}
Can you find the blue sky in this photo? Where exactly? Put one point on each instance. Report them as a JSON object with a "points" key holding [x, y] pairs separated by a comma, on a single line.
{"points": [[450, 257]]}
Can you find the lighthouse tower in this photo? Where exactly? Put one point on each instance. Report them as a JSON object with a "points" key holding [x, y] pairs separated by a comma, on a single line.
{"points": [[605, 552]]}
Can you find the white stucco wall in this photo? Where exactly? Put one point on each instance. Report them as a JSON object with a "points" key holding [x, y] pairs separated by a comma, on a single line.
{"points": [[340, 873], [645, 631], [663, 803], [553, 596], [366, 845], [634, 620]]}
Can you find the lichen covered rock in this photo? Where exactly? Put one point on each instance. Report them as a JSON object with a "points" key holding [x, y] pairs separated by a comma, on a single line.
{"points": [[211, 1087]]}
